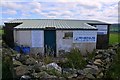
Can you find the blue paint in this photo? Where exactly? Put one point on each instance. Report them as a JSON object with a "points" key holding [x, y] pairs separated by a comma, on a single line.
{"points": [[25, 50], [17, 48]]}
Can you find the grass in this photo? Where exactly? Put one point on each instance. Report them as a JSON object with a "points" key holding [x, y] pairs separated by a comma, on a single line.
{"points": [[114, 38], [75, 60], [1, 32]]}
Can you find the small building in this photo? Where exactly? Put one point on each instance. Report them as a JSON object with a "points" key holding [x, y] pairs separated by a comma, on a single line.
{"points": [[56, 35]]}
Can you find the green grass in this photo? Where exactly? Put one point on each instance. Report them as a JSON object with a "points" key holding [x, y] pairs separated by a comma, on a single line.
{"points": [[114, 38], [1, 32], [75, 60]]}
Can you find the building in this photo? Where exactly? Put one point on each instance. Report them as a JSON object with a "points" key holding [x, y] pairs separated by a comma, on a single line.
{"points": [[56, 35]]}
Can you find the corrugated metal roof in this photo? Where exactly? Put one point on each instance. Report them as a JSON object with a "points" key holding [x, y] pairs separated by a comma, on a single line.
{"points": [[56, 23]]}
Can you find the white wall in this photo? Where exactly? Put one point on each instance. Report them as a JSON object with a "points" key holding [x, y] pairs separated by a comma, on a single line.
{"points": [[37, 41], [68, 44], [23, 37], [84, 36], [102, 29], [37, 38], [31, 38]]}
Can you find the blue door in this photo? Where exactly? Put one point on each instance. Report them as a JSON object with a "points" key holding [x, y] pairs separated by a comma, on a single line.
{"points": [[50, 42]]}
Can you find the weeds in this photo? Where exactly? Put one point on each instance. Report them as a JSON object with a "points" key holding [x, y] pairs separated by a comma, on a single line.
{"points": [[53, 72], [47, 59], [91, 55], [75, 60], [114, 70]]}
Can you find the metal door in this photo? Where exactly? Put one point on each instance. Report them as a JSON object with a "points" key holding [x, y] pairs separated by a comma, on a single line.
{"points": [[50, 42]]}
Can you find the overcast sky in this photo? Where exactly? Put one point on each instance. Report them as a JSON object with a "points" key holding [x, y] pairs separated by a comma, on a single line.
{"points": [[103, 10]]}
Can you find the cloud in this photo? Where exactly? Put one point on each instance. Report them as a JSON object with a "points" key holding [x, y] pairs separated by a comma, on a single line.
{"points": [[67, 14], [105, 1], [12, 5], [97, 9], [16, 0], [24, 8], [10, 12], [35, 5], [90, 5]]}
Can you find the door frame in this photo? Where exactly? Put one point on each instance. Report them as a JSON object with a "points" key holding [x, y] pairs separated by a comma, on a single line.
{"points": [[55, 50]]}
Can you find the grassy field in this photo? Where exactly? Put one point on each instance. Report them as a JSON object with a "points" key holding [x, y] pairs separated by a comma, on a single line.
{"points": [[114, 38], [1, 32]]}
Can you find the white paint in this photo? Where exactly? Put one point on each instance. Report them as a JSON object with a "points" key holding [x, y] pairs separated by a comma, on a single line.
{"points": [[23, 37], [102, 29], [84, 36], [15, 37], [37, 38], [67, 44]]}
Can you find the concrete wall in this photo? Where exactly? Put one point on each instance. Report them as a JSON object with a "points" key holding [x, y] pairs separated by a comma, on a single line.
{"points": [[103, 36], [102, 29], [37, 41], [67, 44], [24, 37]]}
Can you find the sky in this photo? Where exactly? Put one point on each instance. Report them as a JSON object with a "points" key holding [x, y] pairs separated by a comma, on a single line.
{"points": [[102, 10]]}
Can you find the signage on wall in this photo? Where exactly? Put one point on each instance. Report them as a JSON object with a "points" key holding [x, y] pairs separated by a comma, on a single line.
{"points": [[84, 36], [102, 29], [85, 39], [37, 38]]}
